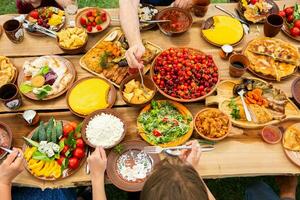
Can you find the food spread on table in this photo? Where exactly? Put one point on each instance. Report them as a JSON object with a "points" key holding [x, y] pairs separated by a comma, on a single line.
{"points": [[164, 123], [72, 38], [185, 74], [136, 94], [54, 149], [44, 77], [107, 58], [51, 18], [93, 20], [212, 123], [7, 71], [256, 10], [272, 58], [221, 30], [89, 95]]}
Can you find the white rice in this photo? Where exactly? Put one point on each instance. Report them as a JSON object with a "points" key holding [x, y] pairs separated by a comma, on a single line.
{"points": [[104, 130]]}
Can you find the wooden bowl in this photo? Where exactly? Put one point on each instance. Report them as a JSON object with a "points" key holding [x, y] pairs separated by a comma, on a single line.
{"points": [[92, 115], [112, 168], [112, 94], [71, 69], [103, 25], [178, 99], [209, 23], [169, 9], [76, 50], [209, 138], [68, 172], [181, 140], [147, 82], [8, 131]]}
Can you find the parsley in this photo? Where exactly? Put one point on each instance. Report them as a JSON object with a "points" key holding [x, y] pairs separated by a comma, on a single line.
{"points": [[44, 70], [235, 113], [118, 149], [104, 60]]}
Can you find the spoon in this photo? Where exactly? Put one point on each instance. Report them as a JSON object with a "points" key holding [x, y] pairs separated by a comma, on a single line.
{"points": [[248, 116]]}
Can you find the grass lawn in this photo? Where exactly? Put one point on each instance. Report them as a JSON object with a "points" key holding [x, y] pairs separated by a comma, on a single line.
{"points": [[223, 189]]}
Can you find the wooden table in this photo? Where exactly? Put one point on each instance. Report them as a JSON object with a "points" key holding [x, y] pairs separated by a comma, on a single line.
{"points": [[243, 155]]}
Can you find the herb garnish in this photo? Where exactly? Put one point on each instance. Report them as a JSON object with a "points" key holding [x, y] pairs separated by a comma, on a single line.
{"points": [[235, 113]]}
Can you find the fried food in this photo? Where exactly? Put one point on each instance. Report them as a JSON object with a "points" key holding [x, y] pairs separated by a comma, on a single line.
{"points": [[72, 38], [134, 92], [291, 140], [7, 71], [212, 123]]}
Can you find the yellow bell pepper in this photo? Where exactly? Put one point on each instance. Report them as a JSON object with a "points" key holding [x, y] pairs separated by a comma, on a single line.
{"points": [[28, 152], [51, 168], [37, 165], [57, 172]]}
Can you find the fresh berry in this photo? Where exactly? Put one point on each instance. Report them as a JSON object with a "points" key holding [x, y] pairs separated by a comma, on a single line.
{"points": [[289, 11], [40, 22], [99, 27], [83, 21], [34, 14], [89, 28], [91, 19], [94, 24], [290, 19], [89, 13]]}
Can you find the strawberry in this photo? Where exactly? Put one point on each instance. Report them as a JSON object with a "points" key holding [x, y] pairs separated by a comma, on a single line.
{"points": [[99, 27], [34, 14], [89, 24], [98, 20], [91, 19], [94, 13], [40, 22], [103, 17], [89, 28], [89, 13], [94, 24], [83, 21]]}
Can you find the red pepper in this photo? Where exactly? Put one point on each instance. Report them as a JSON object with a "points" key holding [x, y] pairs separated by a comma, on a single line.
{"points": [[156, 133], [165, 119]]}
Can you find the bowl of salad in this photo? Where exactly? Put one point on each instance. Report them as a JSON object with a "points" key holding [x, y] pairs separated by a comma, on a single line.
{"points": [[165, 123]]}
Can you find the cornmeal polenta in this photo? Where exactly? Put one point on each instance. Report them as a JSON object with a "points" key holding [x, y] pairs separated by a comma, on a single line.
{"points": [[225, 30], [89, 95]]}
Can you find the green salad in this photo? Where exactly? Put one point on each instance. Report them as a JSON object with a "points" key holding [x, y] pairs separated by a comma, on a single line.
{"points": [[164, 123]]}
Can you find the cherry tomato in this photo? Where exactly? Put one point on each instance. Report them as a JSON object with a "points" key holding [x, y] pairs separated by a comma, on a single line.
{"points": [[297, 23], [80, 143], [64, 150], [60, 160], [78, 153], [73, 163], [290, 19], [253, 2], [282, 14], [289, 11], [295, 31], [156, 133], [73, 124], [67, 129]]}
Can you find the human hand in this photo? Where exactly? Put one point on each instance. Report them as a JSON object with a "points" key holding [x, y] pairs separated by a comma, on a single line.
{"points": [[97, 162], [11, 167], [192, 156], [184, 4], [134, 54]]}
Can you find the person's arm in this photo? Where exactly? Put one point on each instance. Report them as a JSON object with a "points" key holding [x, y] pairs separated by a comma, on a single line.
{"points": [[9, 169], [130, 24], [184, 4], [97, 163]]}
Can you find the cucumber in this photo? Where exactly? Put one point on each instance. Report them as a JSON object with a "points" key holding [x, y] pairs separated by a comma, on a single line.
{"points": [[42, 132], [53, 136], [59, 130], [49, 129], [35, 136]]}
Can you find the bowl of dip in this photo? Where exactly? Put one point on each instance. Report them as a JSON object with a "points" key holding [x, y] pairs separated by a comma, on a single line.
{"points": [[271, 134]]}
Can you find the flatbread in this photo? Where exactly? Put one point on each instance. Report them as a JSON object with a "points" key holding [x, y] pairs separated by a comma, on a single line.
{"points": [[291, 139]]}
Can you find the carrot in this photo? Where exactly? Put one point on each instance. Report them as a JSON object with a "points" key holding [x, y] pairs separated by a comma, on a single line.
{"points": [[257, 91], [255, 96], [253, 101]]}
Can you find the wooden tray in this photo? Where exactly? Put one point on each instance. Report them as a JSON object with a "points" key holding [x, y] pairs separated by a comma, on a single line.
{"points": [[274, 10], [224, 94], [294, 156], [36, 33], [112, 168], [71, 69], [83, 11], [83, 65], [181, 140], [67, 172], [208, 23]]}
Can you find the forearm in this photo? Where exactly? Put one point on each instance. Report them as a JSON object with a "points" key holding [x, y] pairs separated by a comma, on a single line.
{"points": [[130, 21], [98, 188], [5, 191]]}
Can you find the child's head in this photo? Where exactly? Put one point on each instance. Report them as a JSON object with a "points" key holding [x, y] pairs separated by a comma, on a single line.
{"points": [[173, 179]]}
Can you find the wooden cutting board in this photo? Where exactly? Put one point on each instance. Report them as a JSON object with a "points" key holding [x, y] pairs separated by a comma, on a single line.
{"points": [[225, 93]]}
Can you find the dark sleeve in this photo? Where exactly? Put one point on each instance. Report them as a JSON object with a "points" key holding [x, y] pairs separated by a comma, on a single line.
{"points": [[287, 198], [23, 8]]}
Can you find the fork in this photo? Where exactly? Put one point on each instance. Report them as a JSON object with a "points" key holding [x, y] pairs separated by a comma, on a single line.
{"points": [[9, 150], [158, 149]]}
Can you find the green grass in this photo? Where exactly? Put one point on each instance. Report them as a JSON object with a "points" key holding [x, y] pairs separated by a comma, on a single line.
{"points": [[223, 189]]}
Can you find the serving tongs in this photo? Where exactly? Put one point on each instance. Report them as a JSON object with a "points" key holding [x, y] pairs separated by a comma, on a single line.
{"points": [[174, 151], [246, 25], [32, 27]]}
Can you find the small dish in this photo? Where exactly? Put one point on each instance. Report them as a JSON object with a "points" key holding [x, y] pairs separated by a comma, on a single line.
{"points": [[5, 137], [181, 20], [87, 120], [271, 134], [296, 90], [147, 82]]}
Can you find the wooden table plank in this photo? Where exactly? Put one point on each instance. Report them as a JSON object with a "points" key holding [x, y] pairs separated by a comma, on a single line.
{"points": [[240, 155]]}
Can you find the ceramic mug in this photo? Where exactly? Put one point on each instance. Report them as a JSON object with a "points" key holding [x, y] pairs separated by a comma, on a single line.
{"points": [[14, 30], [273, 25], [10, 96], [238, 65]]}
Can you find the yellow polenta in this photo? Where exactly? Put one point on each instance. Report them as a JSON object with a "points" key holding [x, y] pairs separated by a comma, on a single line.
{"points": [[89, 95], [226, 30]]}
